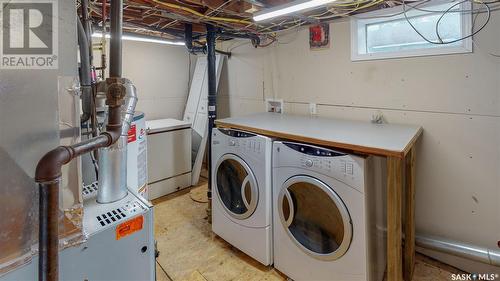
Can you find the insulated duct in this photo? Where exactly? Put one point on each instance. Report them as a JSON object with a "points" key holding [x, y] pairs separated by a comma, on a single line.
{"points": [[459, 249]]}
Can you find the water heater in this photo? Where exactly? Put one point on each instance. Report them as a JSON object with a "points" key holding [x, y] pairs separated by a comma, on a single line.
{"points": [[137, 162]]}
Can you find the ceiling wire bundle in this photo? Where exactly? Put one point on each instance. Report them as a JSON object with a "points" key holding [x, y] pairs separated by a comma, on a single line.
{"points": [[241, 23]]}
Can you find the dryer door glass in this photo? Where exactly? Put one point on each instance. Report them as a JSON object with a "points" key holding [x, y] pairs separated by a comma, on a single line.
{"points": [[315, 217], [236, 186]]}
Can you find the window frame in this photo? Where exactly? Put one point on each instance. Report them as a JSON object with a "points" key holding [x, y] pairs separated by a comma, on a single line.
{"points": [[358, 33]]}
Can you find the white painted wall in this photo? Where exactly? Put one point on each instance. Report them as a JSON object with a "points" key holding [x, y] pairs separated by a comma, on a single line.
{"points": [[160, 73], [246, 80], [456, 98]]}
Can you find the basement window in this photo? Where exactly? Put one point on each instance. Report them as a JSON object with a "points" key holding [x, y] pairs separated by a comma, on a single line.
{"points": [[387, 34]]}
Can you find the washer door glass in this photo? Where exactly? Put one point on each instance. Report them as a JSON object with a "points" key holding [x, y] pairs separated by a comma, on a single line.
{"points": [[315, 218], [236, 186]]}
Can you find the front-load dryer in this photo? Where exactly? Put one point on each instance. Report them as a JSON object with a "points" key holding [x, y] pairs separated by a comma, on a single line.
{"points": [[241, 191], [328, 214]]}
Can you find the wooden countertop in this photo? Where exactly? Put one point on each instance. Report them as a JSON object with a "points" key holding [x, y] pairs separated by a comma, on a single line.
{"points": [[392, 140]]}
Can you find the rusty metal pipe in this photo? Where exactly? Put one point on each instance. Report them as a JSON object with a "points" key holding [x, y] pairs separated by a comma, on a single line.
{"points": [[48, 175], [48, 234]]}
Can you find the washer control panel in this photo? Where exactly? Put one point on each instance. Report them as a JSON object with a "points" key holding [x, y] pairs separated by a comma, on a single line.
{"points": [[236, 133], [240, 140]]}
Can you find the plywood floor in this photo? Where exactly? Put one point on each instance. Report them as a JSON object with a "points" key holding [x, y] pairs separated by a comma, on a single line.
{"points": [[189, 251]]}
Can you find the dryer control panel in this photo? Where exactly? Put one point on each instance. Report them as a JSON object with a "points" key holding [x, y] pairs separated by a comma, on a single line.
{"points": [[342, 166]]}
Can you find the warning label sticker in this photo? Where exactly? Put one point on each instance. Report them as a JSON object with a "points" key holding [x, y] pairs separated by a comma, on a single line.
{"points": [[132, 135], [129, 227]]}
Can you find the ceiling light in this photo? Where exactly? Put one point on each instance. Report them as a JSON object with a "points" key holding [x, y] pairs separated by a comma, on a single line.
{"points": [[142, 39], [289, 8]]}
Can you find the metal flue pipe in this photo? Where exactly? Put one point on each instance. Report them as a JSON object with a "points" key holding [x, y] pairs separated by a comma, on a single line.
{"points": [[212, 106], [48, 171], [113, 159]]}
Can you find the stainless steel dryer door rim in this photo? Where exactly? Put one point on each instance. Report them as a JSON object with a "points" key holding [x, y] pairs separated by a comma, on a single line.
{"points": [[336, 200], [249, 204]]}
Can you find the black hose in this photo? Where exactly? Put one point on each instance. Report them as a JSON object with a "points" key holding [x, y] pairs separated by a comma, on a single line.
{"points": [[87, 26], [85, 73]]}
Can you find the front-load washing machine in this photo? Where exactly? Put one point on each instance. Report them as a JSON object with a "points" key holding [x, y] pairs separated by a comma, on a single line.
{"points": [[328, 214], [241, 191]]}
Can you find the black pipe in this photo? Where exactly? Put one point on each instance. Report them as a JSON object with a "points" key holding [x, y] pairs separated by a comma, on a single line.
{"points": [[85, 73], [228, 54], [188, 39], [212, 105], [188, 35], [87, 26], [115, 52], [48, 235], [231, 35]]}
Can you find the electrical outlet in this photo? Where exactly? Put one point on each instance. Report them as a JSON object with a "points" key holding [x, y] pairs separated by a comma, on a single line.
{"points": [[274, 105], [313, 109]]}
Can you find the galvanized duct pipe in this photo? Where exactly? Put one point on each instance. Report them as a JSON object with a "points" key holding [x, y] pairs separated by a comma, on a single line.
{"points": [[85, 73], [212, 106], [113, 159], [459, 249]]}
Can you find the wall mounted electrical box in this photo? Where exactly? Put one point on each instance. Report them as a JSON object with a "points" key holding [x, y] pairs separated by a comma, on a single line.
{"points": [[274, 105]]}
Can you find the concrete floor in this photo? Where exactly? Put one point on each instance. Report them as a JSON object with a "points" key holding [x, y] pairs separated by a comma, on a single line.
{"points": [[189, 251]]}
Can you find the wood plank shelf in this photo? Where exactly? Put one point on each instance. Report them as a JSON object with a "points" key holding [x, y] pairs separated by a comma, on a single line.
{"points": [[396, 142]]}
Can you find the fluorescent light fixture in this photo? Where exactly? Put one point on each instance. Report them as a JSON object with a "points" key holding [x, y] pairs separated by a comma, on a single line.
{"points": [[289, 8], [142, 39]]}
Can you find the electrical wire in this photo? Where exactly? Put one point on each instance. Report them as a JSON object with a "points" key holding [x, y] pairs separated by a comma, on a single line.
{"points": [[452, 41], [342, 8], [196, 13]]}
